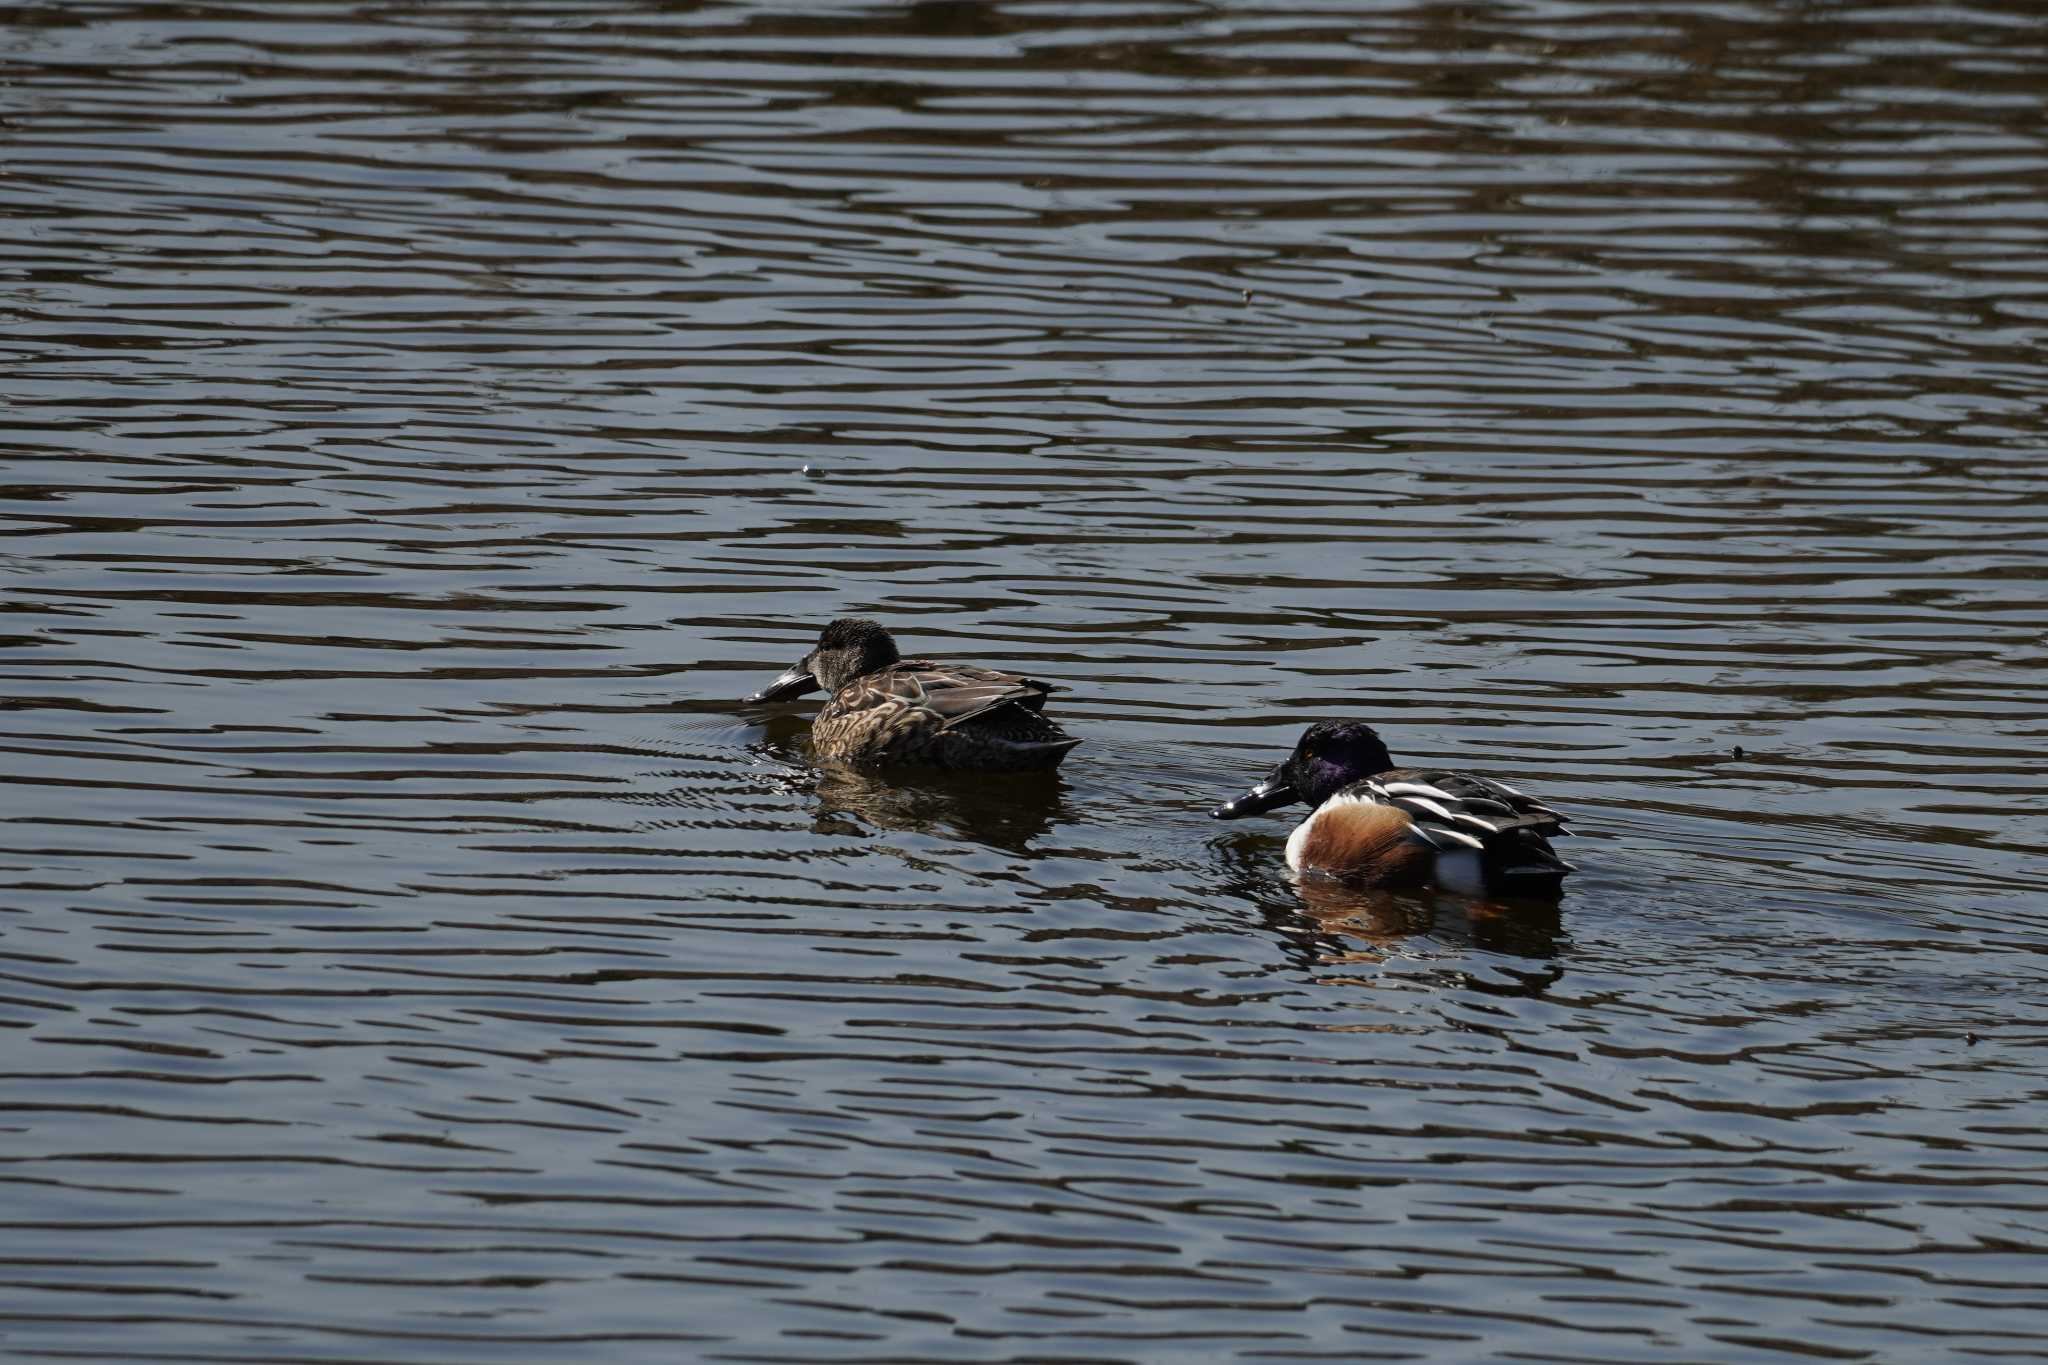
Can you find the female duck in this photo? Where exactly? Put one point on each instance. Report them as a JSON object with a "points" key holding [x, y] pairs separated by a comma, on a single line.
{"points": [[1381, 825], [885, 709]]}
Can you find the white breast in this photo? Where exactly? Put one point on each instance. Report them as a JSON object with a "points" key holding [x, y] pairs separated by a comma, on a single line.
{"points": [[1296, 840]]}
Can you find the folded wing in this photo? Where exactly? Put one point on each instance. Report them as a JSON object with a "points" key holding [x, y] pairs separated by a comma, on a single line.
{"points": [[1451, 810], [930, 701]]}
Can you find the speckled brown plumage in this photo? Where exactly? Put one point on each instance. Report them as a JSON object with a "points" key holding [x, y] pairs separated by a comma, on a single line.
{"points": [[942, 716], [886, 710]]}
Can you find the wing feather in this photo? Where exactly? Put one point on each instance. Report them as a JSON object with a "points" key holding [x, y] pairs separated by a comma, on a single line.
{"points": [[1451, 810], [953, 695]]}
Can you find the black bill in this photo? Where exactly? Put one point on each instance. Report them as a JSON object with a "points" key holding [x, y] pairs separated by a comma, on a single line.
{"points": [[1275, 791], [793, 683]]}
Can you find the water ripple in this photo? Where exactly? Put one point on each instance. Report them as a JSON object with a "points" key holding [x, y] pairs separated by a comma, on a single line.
{"points": [[426, 421]]}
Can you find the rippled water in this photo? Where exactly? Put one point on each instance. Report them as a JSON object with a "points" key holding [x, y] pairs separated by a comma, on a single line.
{"points": [[425, 419]]}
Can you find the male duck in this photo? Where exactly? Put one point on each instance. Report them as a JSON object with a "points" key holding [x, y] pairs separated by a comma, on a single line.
{"points": [[1381, 825], [886, 709]]}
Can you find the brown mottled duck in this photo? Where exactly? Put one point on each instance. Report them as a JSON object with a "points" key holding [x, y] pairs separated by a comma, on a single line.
{"points": [[885, 710]]}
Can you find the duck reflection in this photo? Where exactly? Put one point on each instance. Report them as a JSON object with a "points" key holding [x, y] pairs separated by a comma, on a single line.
{"points": [[1005, 816], [1324, 922], [1005, 813], [1378, 921]]}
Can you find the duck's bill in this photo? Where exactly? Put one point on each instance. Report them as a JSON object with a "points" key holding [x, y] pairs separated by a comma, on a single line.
{"points": [[1274, 792], [794, 683]]}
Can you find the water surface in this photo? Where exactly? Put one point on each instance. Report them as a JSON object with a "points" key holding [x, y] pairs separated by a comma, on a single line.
{"points": [[425, 420]]}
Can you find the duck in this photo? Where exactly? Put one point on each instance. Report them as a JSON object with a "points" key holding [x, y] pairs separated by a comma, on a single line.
{"points": [[1378, 825], [886, 710]]}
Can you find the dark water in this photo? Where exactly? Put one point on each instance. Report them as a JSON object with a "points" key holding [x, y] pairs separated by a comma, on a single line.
{"points": [[424, 419]]}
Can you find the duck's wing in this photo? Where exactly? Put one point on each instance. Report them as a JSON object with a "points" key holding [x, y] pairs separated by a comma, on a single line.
{"points": [[953, 695], [1452, 810]]}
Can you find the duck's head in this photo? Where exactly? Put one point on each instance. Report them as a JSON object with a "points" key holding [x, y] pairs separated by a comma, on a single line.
{"points": [[849, 648], [1331, 755]]}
